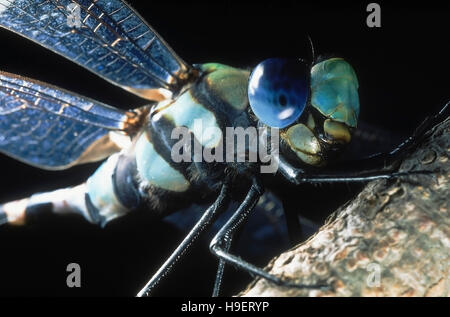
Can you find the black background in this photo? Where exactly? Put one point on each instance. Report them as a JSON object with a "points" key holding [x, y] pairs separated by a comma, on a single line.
{"points": [[403, 74]]}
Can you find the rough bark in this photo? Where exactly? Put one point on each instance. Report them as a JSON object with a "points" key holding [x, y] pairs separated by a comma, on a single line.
{"points": [[399, 229]]}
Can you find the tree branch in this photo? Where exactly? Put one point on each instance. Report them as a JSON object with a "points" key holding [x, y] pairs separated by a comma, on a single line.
{"points": [[393, 239]]}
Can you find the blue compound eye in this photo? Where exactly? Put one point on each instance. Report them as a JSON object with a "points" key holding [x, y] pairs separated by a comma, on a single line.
{"points": [[278, 91]]}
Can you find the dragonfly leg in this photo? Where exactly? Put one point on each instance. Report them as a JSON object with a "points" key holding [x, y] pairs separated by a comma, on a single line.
{"points": [[298, 176], [423, 130], [399, 152], [220, 269], [217, 207], [219, 245], [370, 168], [221, 266]]}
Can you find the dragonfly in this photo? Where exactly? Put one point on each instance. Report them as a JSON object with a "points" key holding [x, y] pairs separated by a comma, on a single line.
{"points": [[297, 117]]}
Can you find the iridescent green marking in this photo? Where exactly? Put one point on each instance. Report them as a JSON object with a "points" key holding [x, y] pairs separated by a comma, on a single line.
{"points": [[334, 90], [185, 111], [155, 170], [229, 83], [211, 67]]}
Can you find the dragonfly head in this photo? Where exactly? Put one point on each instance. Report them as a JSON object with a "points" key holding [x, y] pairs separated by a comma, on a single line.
{"points": [[315, 109]]}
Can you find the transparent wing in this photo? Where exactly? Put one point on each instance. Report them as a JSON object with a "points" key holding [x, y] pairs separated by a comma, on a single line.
{"points": [[53, 129], [105, 36]]}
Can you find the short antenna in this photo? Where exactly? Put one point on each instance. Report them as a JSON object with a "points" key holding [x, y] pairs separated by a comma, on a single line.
{"points": [[313, 53]]}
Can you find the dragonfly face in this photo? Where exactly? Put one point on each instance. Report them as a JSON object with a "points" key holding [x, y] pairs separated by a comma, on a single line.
{"points": [[315, 109]]}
